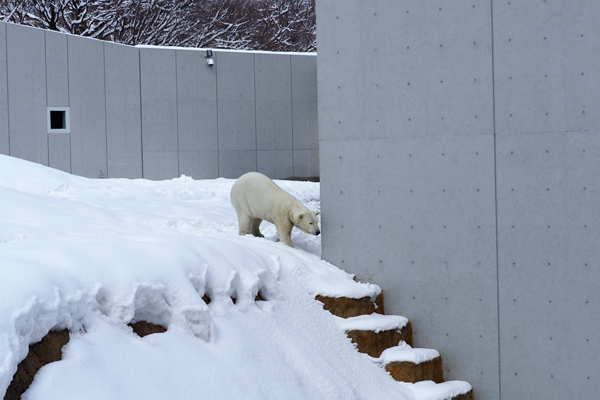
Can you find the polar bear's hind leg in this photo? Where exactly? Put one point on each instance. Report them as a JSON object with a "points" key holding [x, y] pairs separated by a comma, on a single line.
{"points": [[254, 227]]}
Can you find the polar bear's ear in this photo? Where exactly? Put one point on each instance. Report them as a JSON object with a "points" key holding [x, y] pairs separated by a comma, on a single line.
{"points": [[317, 213], [300, 216]]}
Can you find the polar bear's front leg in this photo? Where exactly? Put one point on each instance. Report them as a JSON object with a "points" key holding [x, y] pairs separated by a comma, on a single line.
{"points": [[284, 233], [244, 223]]}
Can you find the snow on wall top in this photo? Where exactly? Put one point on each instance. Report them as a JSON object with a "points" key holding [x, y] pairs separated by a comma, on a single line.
{"points": [[292, 53]]}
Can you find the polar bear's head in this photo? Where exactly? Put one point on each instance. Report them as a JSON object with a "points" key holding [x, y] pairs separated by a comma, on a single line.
{"points": [[308, 222]]}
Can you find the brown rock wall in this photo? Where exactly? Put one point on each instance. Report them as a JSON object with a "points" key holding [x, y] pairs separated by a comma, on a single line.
{"points": [[48, 350], [346, 307], [406, 371], [374, 343]]}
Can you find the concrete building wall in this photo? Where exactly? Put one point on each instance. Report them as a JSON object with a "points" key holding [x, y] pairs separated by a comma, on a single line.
{"points": [[4, 133], [459, 150], [156, 113], [57, 92], [123, 117], [26, 83]]}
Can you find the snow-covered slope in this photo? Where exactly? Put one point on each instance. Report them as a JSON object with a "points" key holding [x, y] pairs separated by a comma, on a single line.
{"points": [[94, 255]]}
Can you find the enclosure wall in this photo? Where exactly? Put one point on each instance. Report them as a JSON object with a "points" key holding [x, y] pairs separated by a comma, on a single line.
{"points": [[156, 113], [460, 155]]}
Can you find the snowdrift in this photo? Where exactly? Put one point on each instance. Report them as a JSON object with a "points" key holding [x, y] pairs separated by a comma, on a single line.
{"points": [[94, 255]]}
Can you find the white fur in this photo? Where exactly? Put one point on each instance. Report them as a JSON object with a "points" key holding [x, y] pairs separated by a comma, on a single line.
{"points": [[256, 197]]}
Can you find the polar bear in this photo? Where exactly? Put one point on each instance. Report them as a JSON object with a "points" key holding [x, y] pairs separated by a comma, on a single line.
{"points": [[256, 197]]}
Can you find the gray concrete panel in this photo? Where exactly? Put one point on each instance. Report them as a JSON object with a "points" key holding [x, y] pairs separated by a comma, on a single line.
{"points": [[272, 78], [159, 125], [237, 125], [27, 93], [235, 76], [197, 122], [304, 78], [549, 340], [158, 75], [195, 79], [336, 20], [546, 75], [458, 63], [547, 208], [202, 164], [426, 207], [4, 145], [88, 107], [161, 165], [59, 151], [305, 125], [57, 69], [276, 164], [196, 102], [123, 111], [306, 163], [405, 72], [274, 125], [581, 45], [233, 164], [529, 80], [304, 102]]}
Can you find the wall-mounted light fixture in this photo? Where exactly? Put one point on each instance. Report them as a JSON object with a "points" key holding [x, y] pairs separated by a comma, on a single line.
{"points": [[209, 60]]}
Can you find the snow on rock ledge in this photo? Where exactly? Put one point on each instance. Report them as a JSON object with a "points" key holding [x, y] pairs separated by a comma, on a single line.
{"points": [[373, 322], [403, 352]]}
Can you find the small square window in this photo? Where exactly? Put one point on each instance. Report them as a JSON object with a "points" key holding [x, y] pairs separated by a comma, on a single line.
{"points": [[58, 120]]}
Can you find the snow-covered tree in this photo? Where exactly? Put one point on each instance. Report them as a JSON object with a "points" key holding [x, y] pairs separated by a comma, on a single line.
{"points": [[287, 25], [281, 25]]}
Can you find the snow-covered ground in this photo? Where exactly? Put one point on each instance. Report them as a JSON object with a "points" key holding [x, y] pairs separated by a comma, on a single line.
{"points": [[92, 255]]}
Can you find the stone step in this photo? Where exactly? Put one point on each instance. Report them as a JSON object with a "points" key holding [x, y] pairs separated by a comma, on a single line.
{"points": [[388, 340], [407, 364], [345, 307], [375, 332]]}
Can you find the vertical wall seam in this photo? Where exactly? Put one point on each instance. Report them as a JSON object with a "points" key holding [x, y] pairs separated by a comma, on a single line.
{"points": [[217, 111], [7, 88], [292, 113], [46, 82], [177, 111], [141, 108], [496, 202], [105, 107], [255, 118], [46, 67], [69, 105], [70, 114]]}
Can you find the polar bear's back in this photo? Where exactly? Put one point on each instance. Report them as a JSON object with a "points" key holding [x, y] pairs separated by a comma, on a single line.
{"points": [[257, 195]]}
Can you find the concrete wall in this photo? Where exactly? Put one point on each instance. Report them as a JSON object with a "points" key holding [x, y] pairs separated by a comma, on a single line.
{"points": [[156, 113], [460, 155]]}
